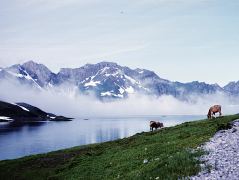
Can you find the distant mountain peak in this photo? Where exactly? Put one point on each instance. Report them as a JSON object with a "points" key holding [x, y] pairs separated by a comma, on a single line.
{"points": [[33, 65], [30, 62], [110, 80], [107, 63], [101, 65]]}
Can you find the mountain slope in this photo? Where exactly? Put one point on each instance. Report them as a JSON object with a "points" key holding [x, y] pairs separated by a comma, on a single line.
{"points": [[24, 111], [109, 80], [232, 88]]}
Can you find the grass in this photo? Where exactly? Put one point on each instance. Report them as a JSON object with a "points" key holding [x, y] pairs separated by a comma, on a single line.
{"points": [[168, 152]]}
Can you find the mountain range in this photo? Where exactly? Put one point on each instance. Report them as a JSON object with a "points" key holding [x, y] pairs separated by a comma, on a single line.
{"points": [[109, 80]]}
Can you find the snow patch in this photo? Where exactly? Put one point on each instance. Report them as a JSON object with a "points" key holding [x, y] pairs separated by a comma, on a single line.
{"points": [[92, 83], [106, 93], [121, 90], [25, 109], [113, 74], [50, 85], [129, 90], [111, 94], [51, 117], [104, 69], [5, 118], [28, 76], [130, 79], [15, 74], [146, 89]]}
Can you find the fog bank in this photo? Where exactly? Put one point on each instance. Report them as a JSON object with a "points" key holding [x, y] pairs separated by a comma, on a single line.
{"points": [[68, 101]]}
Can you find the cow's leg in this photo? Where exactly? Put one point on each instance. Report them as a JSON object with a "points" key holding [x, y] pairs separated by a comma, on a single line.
{"points": [[213, 115]]}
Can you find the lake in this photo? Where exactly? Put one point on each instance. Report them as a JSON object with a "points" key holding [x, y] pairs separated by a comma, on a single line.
{"points": [[22, 139]]}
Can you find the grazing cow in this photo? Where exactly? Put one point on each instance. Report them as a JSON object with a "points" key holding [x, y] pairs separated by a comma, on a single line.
{"points": [[213, 110], [156, 125]]}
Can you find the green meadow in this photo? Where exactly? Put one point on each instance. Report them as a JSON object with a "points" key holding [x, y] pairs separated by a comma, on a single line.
{"points": [[169, 153]]}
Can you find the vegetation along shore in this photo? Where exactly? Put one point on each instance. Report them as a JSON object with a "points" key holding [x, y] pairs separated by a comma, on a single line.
{"points": [[169, 153]]}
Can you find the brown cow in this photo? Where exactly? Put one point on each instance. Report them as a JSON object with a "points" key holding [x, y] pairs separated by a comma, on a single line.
{"points": [[156, 125], [213, 110]]}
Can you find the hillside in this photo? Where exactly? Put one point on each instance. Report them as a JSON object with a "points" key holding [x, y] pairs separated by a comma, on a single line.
{"points": [[169, 153], [24, 111]]}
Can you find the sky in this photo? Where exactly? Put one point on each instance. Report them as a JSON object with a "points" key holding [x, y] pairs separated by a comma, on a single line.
{"points": [[181, 40]]}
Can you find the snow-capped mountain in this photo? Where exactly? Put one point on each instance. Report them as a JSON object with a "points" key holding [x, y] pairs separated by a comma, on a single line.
{"points": [[109, 80], [232, 88]]}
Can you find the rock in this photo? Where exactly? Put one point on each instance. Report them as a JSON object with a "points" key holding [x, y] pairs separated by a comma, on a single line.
{"points": [[223, 154]]}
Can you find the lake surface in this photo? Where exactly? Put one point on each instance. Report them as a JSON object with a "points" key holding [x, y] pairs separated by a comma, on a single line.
{"points": [[22, 139]]}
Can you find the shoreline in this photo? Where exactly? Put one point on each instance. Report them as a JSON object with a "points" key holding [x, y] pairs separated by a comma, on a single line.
{"points": [[222, 160], [144, 155], [78, 133]]}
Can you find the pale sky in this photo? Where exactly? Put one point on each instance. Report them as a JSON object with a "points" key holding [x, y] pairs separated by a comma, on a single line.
{"points": [[181, 40]]}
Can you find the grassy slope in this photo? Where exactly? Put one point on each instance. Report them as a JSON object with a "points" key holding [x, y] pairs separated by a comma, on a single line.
{"points": [[167, 151]]}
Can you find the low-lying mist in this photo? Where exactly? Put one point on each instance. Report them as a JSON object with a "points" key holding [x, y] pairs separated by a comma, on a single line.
{"points": [[68, 101]]}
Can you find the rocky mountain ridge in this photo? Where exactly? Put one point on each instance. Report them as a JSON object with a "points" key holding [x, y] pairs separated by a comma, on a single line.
{"points": [[110, 80]]}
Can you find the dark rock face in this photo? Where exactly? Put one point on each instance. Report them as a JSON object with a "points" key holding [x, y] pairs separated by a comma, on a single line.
{"points": [[110, 80], [34, 110], [13, 111], [24, 111]]}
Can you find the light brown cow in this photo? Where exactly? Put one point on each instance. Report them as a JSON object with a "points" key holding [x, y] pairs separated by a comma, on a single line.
{"points": [[156, 125], [213, 110]]}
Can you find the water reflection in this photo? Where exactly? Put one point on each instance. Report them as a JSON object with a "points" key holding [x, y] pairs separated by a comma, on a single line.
{"points": [[21, 139], [18, 126]]}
